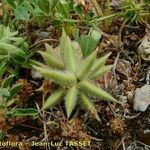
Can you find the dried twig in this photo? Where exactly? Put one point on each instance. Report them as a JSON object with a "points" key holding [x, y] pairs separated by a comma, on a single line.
{"points": [[115, 64], [123, 144], [28, 126], [45, 127], [38, 43]]}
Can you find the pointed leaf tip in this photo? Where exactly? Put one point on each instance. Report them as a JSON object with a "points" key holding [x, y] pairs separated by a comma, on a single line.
{"points": [[97, 91], [53, 98], [70, 101], [89, 106]]}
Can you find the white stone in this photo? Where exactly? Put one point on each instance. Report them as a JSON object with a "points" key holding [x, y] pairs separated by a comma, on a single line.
{"points": [[144, 48], [142, 98], [36, 75]]}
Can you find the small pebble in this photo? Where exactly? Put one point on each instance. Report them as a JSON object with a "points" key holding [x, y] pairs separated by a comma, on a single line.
{"points": [[142, 98], [36, 75], [144, 48]]}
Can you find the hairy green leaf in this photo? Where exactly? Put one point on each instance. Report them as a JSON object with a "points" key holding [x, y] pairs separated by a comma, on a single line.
{"points": [[6, 83], [70, 100], [52, 100], [68, 52], [2, 68], [22, 112], [97, 91], [62, 78], [86, 65], [4, 92], [9, 48], [89, 105], [14, 90], [99, 63], [101, 71], [54, 52], [51, 61]]}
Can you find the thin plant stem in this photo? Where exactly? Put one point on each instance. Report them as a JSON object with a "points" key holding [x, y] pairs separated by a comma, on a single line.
{"points": [[108, 7], [3, 7], [97, 8], [44, 125]]}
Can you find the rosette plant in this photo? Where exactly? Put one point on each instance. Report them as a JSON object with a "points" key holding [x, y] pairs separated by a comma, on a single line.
{"points": [[75, 75], [12, 48]]}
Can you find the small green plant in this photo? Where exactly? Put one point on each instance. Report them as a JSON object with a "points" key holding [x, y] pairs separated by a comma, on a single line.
{"points": [[13, 49], [34, 9], [57, 12], [135, 11], [88, 42], [41, 11], [60, 13], [7, 92], [8, 98], [2, 135], [75, 75]]}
